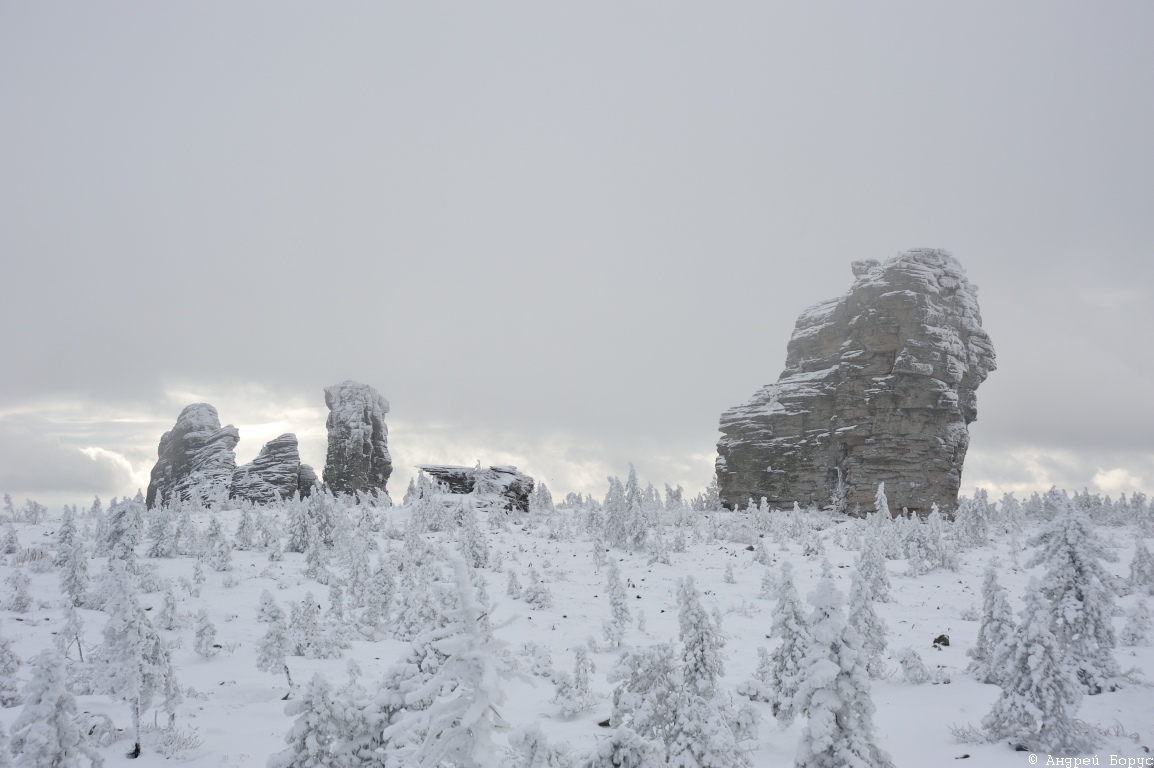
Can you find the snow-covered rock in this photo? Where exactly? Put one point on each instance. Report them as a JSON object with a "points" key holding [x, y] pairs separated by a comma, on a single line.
{"points": [[512, 486], [358, 456], [879, 385], [276, 473], [198, 451]]}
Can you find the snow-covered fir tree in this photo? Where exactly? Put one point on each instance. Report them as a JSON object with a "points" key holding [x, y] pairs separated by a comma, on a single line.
{"points": [[19, 592], [649, 682], [614, 628], [321, 726], [871, 628], [71, 633], [573, 692], [10, 664], [535, 751], [1141, 579], [1079, 589], [625, 748], [701, 641], [74, 573], [123, 530], [537, 594], [205, 639], [66, 537], [834, 691], [996, 629], [273, 646], [134, 663], [914, 669], [871, 564], [46, 733], [246, 531], [160, 536], [1138, 625], [1040, 693], [791, 626]]}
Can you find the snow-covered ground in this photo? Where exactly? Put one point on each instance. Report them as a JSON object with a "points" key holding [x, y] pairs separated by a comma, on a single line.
{"points": [[234, 715]]}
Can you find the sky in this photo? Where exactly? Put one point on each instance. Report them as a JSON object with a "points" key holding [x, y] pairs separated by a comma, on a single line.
{"points": [[564, 236]]}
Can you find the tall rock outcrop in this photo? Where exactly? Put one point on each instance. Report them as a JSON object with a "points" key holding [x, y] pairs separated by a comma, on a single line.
{"points": [[506, 482], [879, 386], [276, 473], [358, 456], [198, 451]]}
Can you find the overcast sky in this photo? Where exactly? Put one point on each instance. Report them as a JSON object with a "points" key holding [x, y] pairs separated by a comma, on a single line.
{"points": [[562, 236]]}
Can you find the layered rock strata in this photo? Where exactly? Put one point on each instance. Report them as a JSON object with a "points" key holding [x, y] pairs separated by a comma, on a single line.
{"points": [[276, 473], [511, 486], [358, 454], [879, 386], [196, 453]]}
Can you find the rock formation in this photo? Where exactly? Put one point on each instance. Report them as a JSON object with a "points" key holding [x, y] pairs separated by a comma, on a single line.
{"points": [[512, 486], [276, 473], [879, 386], [198, 451], [358, 456]]}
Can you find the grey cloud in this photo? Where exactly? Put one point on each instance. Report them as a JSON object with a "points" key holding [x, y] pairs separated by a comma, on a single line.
{"points": [[32, 463]]}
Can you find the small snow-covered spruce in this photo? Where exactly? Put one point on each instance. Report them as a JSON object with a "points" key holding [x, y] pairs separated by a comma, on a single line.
{"points": [[625, 748], [19, 597], [701, 737], [1078, 587], [701, 641], [535, 751], [74, 573], [307, 636], [123, 529], [65, 536], [134, 662], [758, 687], [321, 727], [997, 627], [457, 727], [160, 536], [10, 664], [513, 585], [1142, 570], [1040, 694], [871, 564], [273, 646], [729, 577], [768, 586], [573, 693], [834, 692], [1138, 624], [614, 628], [245, 531], [761, 553], [46, 733], [537, 594], [205, 643], [471, 540], [914, 670], [71, 633], [791, 626], [649, 682], [870, 627], [11, 542]]}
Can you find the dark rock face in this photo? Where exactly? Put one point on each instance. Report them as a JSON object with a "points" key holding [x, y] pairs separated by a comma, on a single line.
{"points": [[358, 456], [197, 451], [879, 386], [276, 473], [512, 486]]}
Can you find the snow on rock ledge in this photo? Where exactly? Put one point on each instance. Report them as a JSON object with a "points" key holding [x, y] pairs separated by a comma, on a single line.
{"points": [[512, 486], [879, 386], [358, 456], [196, 452]]}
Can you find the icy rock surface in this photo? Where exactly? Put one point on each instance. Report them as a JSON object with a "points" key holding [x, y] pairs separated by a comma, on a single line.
{"points": [[879, 384], [358, 456], [198, 451], [276, 473], [512, 486]]}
